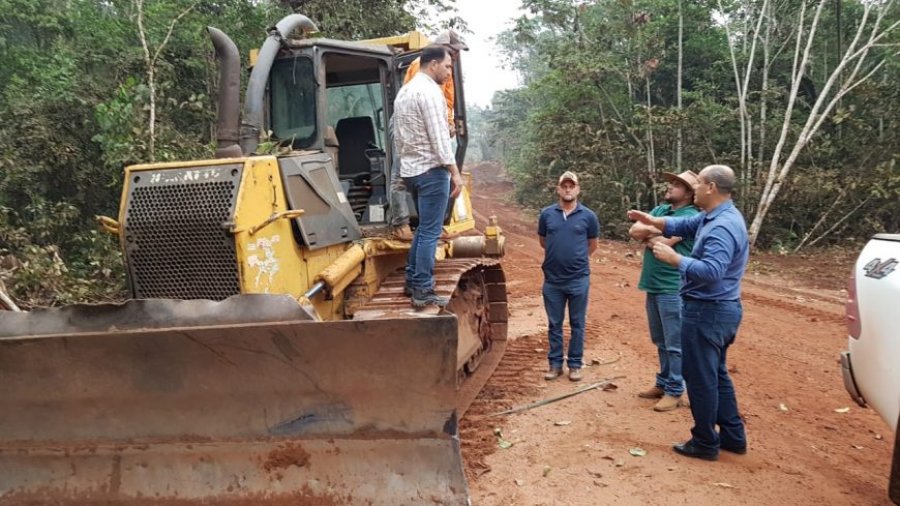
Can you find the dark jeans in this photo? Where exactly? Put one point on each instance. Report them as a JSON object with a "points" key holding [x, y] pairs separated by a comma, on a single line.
{"points": [[556, 296], [707, 330], [664, 318], [431, 191]]}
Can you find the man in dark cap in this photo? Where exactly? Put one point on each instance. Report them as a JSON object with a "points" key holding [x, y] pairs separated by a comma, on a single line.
{"points": [[568, 232]]}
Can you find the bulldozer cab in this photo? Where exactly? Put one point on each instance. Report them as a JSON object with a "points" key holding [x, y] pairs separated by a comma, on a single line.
{"points": [[337, 97], [333, 97]]}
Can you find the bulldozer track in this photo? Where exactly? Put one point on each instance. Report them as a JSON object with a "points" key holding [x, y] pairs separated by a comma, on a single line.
{"points": [[476, 288]]}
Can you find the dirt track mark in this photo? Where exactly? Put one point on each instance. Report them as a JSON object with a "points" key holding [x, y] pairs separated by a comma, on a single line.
{"points": [[813, 313], [514, 379]]}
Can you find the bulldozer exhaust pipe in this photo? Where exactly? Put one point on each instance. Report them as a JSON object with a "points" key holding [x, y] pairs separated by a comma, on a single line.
{"points": [[229, 107], [256, 88]]}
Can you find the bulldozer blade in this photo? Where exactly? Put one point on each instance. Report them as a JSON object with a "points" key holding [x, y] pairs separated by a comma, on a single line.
{"points": [[296, 412], [143, 314]]}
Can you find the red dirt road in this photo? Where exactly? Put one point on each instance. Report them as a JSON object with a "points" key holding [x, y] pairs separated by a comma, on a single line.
{"points": [[784, 364]]}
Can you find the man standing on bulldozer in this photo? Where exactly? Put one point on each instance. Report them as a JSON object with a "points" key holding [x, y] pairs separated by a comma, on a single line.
{"points": [[400, 221], [427, 166]]}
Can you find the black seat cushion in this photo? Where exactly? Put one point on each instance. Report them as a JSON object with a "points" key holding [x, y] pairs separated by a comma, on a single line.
{"points": [[355, 136]]}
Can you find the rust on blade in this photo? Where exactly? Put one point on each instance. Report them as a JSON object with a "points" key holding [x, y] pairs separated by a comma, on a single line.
{"points": [[265, 413]]}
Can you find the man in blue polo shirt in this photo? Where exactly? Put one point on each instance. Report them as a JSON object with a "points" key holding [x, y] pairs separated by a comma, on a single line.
{"points": [[712, 309], [568, 233], [662, 282]]}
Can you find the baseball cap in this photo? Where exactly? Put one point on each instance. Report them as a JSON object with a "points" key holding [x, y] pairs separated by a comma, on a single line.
{"points": [[568, 175], [452, 40]]}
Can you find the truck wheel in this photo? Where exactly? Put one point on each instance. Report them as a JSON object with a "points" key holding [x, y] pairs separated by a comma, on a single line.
{"points": [[894, 485]]}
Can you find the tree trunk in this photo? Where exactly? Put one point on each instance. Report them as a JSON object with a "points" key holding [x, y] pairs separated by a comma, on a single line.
{"points": [[764, 88], [150, 63], [679, 141], [824, 103], [651, 151]]}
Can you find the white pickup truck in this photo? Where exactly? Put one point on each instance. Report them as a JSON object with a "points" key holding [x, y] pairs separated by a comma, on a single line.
{"points": [[871, 365]]}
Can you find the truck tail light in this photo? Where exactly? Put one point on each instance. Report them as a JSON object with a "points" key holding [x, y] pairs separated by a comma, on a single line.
{"points": [[854, 325]]}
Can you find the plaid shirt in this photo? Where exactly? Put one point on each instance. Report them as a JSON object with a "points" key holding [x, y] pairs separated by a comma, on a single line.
{"points": [[420, 127]]}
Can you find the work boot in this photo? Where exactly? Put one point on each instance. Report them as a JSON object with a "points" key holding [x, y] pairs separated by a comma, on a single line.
{"points": [[574, 374], [422, 297], [553, 373], [667, 403], [403, 233], [653, 393]]}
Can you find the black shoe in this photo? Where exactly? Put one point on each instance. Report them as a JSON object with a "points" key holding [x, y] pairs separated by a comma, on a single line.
{"points": [[407, 290], [689, 450], [740, 450], [422, 297]]}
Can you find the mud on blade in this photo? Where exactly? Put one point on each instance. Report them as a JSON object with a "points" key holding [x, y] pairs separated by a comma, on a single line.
{"points": [[293, 412]]}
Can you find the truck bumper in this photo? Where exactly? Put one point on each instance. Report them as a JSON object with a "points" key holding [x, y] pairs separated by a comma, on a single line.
{"points": [[849, 380]]}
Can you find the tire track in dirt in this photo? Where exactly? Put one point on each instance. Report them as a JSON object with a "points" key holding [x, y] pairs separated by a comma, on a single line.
{"points": [[513, 380], [807, 311]]}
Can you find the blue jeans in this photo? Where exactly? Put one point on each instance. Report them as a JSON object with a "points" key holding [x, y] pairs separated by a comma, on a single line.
{"points": [[556, 296], [664, 317], [707, 330], [430, 190]]}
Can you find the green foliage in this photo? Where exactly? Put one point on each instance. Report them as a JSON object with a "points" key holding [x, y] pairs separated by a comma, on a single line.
{"points": [[74, 111], [601, 80], [33, 261]]}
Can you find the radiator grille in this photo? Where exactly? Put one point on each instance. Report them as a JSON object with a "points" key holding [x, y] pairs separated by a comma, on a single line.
{"points": [[176, 241]]}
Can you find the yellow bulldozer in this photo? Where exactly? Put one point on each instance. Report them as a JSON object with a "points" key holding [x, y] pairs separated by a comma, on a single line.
{"points": [[268, 354]]}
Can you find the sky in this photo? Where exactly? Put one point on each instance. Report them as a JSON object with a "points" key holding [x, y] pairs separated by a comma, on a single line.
{"points": [[482, 64]]}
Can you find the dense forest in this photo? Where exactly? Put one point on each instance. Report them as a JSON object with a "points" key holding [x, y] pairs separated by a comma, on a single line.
{"points": [[799, 96]]}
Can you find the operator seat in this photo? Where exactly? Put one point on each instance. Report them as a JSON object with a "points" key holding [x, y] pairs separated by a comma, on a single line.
{"points": [[354, 135]]}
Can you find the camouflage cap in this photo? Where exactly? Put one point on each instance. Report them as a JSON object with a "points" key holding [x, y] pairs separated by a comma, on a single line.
{"points": [[568, 175]]}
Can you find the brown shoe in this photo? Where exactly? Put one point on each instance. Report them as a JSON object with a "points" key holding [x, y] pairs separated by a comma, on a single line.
{"points": [[667, 403], [653, 393], [402, 233], [553, 373], [574, 374]]}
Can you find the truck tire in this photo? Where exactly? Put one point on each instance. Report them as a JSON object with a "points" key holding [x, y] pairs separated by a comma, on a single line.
{"points": [[894, 483]]}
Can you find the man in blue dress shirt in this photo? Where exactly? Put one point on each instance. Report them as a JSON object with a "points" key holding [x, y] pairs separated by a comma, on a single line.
{"points": [[712, 308], [568, 232]]}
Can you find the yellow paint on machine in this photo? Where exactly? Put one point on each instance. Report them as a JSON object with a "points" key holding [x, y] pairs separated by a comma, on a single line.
{"points": [[271, 261]]}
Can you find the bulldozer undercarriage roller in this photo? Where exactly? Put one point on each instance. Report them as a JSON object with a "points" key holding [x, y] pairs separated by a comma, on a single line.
{"points": [[476, 288]]}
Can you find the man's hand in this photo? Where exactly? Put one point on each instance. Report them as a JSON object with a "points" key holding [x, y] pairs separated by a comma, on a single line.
{"points": [[456, 184], [641, 232], [657, 222], [452, 130], [640, 216], [665, 254]]}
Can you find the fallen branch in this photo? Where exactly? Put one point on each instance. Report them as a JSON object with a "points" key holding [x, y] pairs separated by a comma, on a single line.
{"points": [[551, 400], [6, 301], [607, 362], [837, 223]]}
